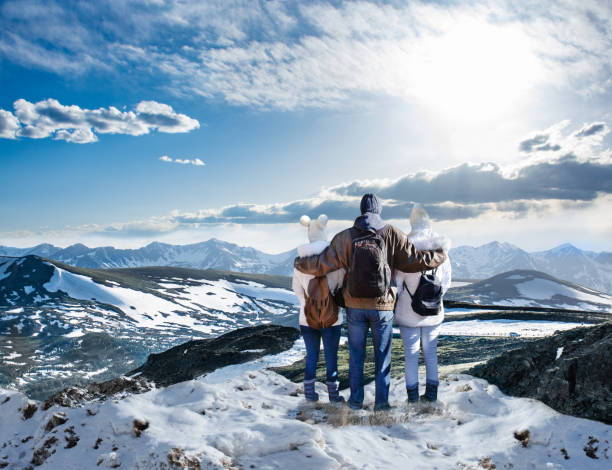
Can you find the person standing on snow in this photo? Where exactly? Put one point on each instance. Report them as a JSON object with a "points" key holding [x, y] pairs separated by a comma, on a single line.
{"points": [[369, 251], [314, 334], [417, 329]]}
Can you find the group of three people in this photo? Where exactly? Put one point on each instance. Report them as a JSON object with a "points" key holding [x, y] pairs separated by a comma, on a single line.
{"points": [[407, 256]]}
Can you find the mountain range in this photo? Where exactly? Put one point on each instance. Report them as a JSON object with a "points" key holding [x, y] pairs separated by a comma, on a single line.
{"points": [[587, 268], [211, 254]]}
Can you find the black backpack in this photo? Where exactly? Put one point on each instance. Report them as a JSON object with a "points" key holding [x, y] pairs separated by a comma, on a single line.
{"points": [[338, 294], [427, 298], [369, 275]]}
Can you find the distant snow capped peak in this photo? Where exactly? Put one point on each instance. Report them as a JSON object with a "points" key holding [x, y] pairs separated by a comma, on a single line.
{"points": [[157, 245], [565, 248], [565, 261]]}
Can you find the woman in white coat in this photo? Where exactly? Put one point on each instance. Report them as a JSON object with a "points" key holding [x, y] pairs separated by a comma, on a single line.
{"points": [[414, 328], [312, 337]]}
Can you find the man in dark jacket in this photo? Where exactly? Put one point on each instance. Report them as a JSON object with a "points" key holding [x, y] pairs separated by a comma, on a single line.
{"points": [[370, 312]]}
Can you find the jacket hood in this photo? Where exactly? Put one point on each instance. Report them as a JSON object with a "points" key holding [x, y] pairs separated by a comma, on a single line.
{"points": [[419, 220], [369, 222]]}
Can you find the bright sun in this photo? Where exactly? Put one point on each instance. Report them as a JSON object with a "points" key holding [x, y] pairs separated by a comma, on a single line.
{"points": [[475, 71]]}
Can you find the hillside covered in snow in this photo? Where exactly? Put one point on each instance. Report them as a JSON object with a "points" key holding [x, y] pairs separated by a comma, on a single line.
{"points": [[523, 288], [169, 300], [59, 323]]}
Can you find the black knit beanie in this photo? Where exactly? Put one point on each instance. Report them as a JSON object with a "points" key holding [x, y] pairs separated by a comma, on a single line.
{"points": [[370, 203]]}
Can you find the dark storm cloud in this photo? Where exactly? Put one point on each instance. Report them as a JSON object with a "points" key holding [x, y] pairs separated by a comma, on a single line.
{"points": [[567, 178], [456, 193]]}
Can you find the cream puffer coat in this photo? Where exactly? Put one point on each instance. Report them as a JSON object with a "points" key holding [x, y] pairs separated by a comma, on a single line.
{"points": [[423, 238], [301, 280]]}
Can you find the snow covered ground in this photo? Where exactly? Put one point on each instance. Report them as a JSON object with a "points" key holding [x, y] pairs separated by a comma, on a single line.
{"points": [[460, 283], [259, 419], [502, 327], [505, 327], [147, 310], [464, 311], [545, 289], [152, 311]]}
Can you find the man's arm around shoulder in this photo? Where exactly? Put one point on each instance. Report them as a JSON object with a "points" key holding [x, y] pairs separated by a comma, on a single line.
{"points": [[408, 259]]}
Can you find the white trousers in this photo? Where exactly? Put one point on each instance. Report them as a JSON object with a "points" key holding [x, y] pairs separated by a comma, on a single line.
{"points": [[413, 338]]}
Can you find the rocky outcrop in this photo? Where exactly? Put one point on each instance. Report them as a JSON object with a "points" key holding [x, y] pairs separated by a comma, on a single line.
{"points": [[194, 358], [570, 372], [73, 396], [185, 362]]}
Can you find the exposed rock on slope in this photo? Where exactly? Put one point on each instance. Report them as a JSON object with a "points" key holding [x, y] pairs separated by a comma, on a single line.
{"points": [[570, 372], [189, 360]]}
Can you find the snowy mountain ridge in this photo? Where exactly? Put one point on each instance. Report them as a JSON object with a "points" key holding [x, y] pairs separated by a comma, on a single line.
{"points": [[210, 254], [529, 288], [565, 262]]}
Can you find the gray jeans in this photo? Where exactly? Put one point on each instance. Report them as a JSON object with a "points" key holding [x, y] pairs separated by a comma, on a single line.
{"points": [[413, 338]]}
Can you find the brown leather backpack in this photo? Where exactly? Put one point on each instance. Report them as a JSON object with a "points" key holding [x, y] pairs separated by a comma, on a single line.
{"points": [[321, 311]]}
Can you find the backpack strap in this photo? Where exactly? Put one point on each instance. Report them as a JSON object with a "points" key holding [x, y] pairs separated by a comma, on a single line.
{"points": [[434, 271], [408, 290]]}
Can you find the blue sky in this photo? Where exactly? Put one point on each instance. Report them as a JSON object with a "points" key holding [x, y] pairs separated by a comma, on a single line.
{"points": [[127, 122]]}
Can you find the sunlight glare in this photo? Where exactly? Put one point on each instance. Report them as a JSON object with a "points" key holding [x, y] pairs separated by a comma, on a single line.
{"points": [[475, 71]]}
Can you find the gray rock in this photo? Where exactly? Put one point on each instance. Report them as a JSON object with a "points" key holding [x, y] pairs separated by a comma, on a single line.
{"points": [[194, 358], [578, 382]]}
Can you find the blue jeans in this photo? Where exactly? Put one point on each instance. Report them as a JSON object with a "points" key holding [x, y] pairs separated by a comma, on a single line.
{"points": [[381, 323], [312, 340]]}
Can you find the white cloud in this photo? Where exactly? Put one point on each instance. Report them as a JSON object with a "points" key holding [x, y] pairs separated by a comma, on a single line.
{"points": [[479, 55], [182, 161], [49, 118], [552, 143], [9, 125]]}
